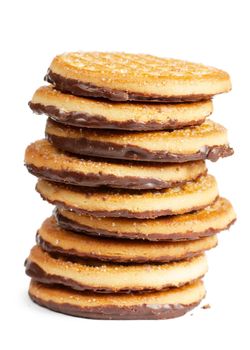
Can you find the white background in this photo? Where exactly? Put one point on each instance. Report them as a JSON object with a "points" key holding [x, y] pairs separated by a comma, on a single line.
{"points": [[32, 32]]}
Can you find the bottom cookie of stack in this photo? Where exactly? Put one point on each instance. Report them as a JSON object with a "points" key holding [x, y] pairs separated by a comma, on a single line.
{"points": [[171, 303]]}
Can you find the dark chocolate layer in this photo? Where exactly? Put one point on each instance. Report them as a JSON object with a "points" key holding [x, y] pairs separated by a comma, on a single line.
{"points": [[85, 89], [86, 120], [34, 271], [101, 179], [108, 258], [111, 312], [68, 224], [88, 147]]}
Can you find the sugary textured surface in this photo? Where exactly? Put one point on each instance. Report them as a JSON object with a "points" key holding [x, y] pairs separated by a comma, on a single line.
{"points": [[208, 221], [192, 143], [110, 277], [121, 76], [44, 160], [207, 129], [54, 239], [124, 203], [85, 112]]}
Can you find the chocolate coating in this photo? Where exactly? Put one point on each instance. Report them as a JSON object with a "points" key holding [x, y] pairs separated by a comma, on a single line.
{"points": [[148, 214], [85, 89], [68, 224], [101, 179], [34, 271], [86, 120], [108, 258], [111, 312], [87, 147]]}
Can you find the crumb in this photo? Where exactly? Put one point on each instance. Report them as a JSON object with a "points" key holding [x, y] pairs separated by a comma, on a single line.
{"points": [[191, 314], [206, 306]]}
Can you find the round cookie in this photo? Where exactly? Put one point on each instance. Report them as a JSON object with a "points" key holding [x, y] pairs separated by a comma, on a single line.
{"points": [[54, 239], [171, 303], [128, 203], [88, 113], [110, 277], [46, 161], [131, 77], [206, 141], [206, 222]]}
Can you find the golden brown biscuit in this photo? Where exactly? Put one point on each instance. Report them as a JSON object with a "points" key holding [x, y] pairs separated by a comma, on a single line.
{"points": [[88, 113], [130, 77], [206, 141], [206, 222], [111, 277], [171, 303], [130, 203], [54, 239], [46, 161]]}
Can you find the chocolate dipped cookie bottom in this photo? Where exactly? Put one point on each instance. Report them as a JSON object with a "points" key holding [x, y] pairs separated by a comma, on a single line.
{"points": [[146, 306]]}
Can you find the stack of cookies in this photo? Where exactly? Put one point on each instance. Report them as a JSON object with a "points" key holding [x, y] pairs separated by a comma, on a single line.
{"points": [[124, 163]]}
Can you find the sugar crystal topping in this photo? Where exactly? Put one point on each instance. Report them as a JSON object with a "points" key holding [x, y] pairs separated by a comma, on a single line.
{"points": [[137, 65]]}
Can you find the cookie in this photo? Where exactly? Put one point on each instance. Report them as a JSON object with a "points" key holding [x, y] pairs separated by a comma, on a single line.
{"points": [[131, 77], [44, 160], [110, 277], [54, 239], [171, 303], [130, 203], [206, 141], [206, 222], [87, 113]]}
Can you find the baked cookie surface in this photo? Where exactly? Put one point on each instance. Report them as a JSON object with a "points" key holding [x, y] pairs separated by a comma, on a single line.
{"points": [[87, 113], [131, 77], [44, 160], [54, 239], [206, 222], [130, 203], [171, 303], [206, 141], [110, 277]]}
